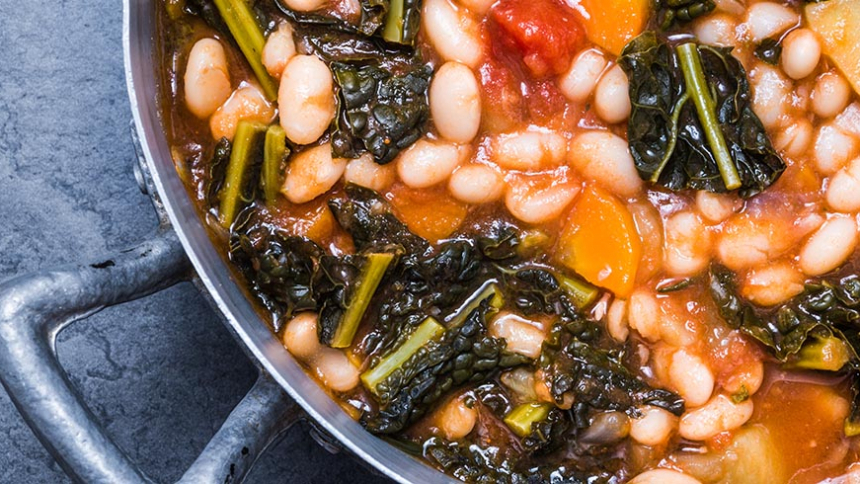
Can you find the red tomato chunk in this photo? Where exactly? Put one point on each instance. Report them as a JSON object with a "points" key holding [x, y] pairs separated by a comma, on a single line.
{"points": [[546, 33]]}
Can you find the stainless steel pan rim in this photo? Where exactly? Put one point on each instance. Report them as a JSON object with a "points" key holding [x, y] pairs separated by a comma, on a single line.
{"points": [[247, 327]]}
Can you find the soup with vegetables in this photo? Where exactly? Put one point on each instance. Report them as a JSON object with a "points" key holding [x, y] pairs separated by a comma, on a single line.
{"points": [[545, 240]]}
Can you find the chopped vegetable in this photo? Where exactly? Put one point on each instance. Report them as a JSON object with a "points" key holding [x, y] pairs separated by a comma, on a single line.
{"points": [[837, 23], [339, 321], [246, 146], [579, 360], [716, 142], [814, 330], [612, 23], [769, 51], [429, 330], [521, 419], [600, 242], [249, 36], [432, 215], [274, 154], [402, 22], [380, 112], [425, 368], [545, 33], [673, 12]]}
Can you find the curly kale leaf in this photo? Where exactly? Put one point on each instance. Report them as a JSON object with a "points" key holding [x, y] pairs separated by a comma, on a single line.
{"points": [[368, 218], [394, 21], [218, 171], [580, 361], [490, 465], [818, 329], [462, 355], [675, 12], [769, 51], [692, 124], [380, 112], [824, 309], [281, 270]]}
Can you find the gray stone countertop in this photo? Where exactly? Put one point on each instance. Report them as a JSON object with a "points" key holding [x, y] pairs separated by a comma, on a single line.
{"points": [[162, 373]]}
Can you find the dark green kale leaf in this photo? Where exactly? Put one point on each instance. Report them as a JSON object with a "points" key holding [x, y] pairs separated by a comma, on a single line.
{"points": [[394, 21], [281, 270], [818, 329], [676, 12], [578, 359], [769, 51], [218, 171], [491, 465], [692, 124], [824, 309], [381, 112], [463, 355], [368, 218]]}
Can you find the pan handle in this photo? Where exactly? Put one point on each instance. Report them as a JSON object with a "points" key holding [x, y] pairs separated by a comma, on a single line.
{"points": [[34, 308]]}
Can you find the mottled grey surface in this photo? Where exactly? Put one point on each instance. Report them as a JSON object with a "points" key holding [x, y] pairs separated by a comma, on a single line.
{"points": [[161, 373]]}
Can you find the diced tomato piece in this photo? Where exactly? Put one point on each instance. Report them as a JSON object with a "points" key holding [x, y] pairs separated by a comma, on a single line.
{"points": [[546, 32]]}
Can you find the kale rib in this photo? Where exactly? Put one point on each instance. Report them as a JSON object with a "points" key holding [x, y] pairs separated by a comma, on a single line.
{"points": [[694, 77], [273, 155], [245, 144], [240, 20], [392, 31], [429, 330], [522, 417], [371, 274]]}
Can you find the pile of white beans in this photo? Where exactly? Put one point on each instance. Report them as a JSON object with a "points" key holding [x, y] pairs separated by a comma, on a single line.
{"points": [[537, 171]]}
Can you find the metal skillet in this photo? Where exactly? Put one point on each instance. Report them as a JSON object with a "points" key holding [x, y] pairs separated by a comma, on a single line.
{"points": [[34, 308]]}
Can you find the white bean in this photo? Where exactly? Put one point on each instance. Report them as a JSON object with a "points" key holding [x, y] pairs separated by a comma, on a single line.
{"points": [[649, 225], [716, 207], [427, 163], [768, 19], [367, 173], [605, 158], [539, 202], [452, 32], [528, 150], [717, 29], [207, 79], [749, 242], [772, 284], [455, 102], [653, 427], [643, 315], [456, 420], [331, 366], [279, 49], [794, 139], [304, 5], [833, 148], [800, 53], [476, 184], [720, 414], [843, 188], [311, 173], [478, 7], [616, 320], [691, 377], [521, 335], [335, 370], [306, 99], [830, 94], [747, 377], [664, 476], [246, 103], [830, 246], [300, 336], [849, 120], [580, 80], [611, 98], [687, 246], [770, 94]]}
